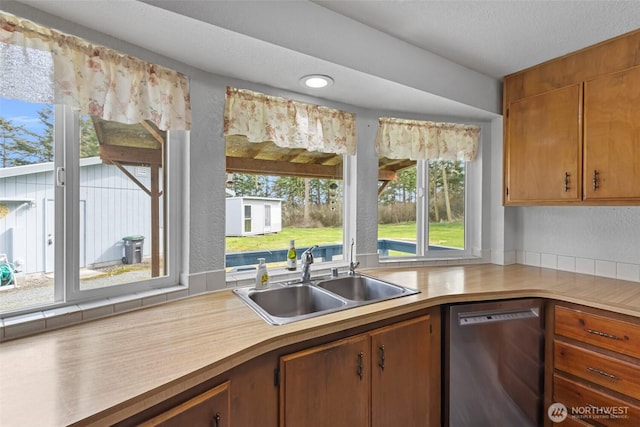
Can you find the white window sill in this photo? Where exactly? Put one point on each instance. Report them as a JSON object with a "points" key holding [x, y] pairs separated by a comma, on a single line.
{"points": [[53, 318]]}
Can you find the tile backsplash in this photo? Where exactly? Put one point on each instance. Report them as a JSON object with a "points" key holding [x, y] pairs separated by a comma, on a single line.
{"points": [[594, 267]]}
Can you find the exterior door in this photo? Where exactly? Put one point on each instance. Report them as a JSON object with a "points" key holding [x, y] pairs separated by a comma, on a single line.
{"points": [[49, 236]]}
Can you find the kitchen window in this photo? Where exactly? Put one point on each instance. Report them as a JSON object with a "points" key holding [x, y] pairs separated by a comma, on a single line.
{"points": [[88, 208], [422, 213], [423, 202], [77, 227], [289, 160]]}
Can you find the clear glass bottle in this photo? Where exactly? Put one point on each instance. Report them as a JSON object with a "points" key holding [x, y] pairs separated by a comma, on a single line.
{"points": [[292, 256]]}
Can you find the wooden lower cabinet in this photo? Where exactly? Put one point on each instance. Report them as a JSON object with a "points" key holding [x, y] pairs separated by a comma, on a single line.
{"points": [[209, 409], [595, 366], [380, 378], [327, 385], [400, 376]]}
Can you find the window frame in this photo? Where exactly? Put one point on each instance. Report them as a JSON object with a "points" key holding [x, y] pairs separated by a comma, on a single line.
{"points": [[349, 204], [67, 217], [472, 174]]}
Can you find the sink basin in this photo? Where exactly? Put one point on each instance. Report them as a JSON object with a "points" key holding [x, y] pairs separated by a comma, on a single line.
{"points": [[278, 305], [362, 288], [288, 302]]}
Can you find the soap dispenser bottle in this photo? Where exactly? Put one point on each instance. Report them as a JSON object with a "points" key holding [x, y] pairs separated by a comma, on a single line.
{"points": [[262, 277]]}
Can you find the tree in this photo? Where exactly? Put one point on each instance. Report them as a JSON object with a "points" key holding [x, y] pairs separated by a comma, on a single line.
{"points": [[89, 144], [16, 147]]}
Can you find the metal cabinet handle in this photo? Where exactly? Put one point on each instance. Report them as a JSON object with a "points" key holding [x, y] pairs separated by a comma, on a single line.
{"points": [[216, 420], [360, 365], [601, 372], [381, 355], [595, 180], [566, 182], [602, 334]]}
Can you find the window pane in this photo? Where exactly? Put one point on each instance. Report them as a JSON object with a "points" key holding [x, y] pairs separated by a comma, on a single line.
{"points": [[281, 208], [397, 215], [27, 204], [121, 207], [446, 205]]}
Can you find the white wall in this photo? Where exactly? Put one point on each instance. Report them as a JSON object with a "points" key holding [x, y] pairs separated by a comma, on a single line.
{"points": [[604, 241]]}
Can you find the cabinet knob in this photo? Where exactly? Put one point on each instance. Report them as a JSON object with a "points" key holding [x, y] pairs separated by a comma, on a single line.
{"points": [[566, 182], [381, 355], [216, 420], [595, 180]]}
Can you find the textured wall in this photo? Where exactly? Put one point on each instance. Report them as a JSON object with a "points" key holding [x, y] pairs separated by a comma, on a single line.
{"points": [[600, 233]]}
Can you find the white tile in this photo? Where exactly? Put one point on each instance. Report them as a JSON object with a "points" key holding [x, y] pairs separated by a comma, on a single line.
{"points": [[154, 299], [96, 311], [197, 283], [64, 319], [510, 257], [28, 324], [532, 258], [549, 261], [215, 280], [585, 266], [178, 294], [628, 271], [60, 311], [125, 303], [566, 263], [23, 318], [605, 268]]}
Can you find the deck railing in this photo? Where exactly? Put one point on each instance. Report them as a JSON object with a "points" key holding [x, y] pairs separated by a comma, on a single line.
{"points": [[247, 260]]}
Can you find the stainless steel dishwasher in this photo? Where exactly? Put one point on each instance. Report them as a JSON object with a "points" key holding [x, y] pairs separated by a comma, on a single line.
{"points": [[494, 364]]}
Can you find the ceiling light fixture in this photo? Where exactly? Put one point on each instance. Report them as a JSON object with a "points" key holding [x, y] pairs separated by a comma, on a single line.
{"points": [[316, 81]]}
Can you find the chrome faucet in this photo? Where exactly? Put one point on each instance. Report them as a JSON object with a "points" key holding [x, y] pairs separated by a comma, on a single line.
{"points": [[307, 260], [352, 265]]}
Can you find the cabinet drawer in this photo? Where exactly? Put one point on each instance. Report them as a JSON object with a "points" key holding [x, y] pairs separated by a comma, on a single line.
{"points": [[617, 335], [615, 374], [592, 405]]}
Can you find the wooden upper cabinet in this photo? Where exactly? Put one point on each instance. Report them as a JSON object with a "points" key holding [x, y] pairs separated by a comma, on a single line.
{"points": [[543, 147], [612, 136], [572, 128]]}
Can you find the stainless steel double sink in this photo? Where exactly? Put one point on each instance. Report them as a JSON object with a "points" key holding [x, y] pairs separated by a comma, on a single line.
{"points": [[288, 302]]}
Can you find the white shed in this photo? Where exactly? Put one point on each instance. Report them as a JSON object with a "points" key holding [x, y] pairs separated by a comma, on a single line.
{"points": [[249, 216]]}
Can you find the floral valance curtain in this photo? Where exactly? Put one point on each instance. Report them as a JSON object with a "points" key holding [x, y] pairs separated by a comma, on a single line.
{"points": [[289, 124], [90, 78], [425, 140]]}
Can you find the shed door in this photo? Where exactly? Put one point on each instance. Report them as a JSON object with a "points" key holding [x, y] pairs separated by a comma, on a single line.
{"points": [[267, 218]]}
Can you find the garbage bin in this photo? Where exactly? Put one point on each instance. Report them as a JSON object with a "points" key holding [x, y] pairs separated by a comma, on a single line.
{"points": [[133, 246]]}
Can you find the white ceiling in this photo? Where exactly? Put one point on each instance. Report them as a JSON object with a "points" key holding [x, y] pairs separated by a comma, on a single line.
{"points": [[424, 57]]}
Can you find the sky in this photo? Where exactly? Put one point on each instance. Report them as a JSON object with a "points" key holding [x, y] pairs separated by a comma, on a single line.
{"points": [[21, 113]]}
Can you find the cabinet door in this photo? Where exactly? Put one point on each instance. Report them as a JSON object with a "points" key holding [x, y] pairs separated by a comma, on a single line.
{"points": [[543, 148], [210, 409], [326, 385], [612, 136], [400, 374]]}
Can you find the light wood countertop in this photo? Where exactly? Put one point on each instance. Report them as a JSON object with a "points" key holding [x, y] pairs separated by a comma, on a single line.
{"points": [[106, 370]]}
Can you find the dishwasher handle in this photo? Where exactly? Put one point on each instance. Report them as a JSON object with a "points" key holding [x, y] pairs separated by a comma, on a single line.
{"points": [[479, 317]]}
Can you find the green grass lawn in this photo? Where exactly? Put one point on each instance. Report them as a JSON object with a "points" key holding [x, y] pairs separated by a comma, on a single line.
{"points": [[445, 234]]}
